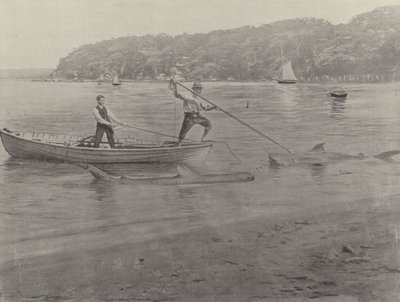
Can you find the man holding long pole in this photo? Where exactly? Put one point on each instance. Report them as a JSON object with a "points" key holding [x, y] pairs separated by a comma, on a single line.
{"points": [[192, 107], [196, 94]]}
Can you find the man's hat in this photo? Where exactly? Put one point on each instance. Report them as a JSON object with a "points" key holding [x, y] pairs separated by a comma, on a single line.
{"points": [[197, 84]]}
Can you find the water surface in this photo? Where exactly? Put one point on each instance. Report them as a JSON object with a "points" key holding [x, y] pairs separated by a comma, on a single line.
{"points": [[49, 207]]}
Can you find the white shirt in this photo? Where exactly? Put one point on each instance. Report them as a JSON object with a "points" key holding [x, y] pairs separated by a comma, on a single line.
{"points": [[111, 116], [191, 103]]}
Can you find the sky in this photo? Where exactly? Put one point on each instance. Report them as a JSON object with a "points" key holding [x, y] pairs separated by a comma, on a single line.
{"points": [[37, 33]]}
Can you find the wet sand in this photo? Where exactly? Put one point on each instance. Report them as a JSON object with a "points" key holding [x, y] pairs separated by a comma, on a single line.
{"points": [[346, 251]]}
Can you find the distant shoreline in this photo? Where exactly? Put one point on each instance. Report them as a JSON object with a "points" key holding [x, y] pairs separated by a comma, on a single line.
{"points": [[205, 81], [26, 73], [52, 80]]}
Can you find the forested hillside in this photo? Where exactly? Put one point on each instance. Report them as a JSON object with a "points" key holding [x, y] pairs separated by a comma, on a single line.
{"points": [[365, 49]]}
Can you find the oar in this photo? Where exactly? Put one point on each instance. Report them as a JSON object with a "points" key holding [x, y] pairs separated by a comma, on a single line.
{"points": [[93, 135], [232, 116], [84, 139]]}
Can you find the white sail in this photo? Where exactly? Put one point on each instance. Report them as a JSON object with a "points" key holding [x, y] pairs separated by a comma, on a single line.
{"points": [[116, 80], [287, 73]]}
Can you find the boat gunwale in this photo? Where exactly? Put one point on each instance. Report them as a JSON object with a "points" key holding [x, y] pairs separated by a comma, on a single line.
{"points": [[108, 150], [287, 81]]}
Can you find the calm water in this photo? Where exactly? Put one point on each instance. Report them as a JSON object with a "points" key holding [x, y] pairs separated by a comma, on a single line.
{"points": [[48, 207]]}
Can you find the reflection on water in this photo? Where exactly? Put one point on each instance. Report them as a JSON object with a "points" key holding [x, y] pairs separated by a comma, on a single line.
{"points": [[104, 189], [289, 98], [338, 106], [318, 171], [141, 169], [48, 207]]}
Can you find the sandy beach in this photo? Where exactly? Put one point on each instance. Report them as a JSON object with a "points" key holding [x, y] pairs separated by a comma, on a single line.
{"points": [[347, 251]]}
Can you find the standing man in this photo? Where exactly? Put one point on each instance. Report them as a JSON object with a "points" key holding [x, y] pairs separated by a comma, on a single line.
{"points": [[192, 107], [104, 118]]}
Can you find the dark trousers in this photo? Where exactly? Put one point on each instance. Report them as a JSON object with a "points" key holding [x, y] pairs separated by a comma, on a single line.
{"points": [[192, 119], [100, 129]]}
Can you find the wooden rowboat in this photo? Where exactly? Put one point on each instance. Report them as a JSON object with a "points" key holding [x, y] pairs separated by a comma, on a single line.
{"points": [[69, 148]]}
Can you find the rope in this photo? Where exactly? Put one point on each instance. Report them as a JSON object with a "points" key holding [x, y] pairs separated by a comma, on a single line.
{"points": [[85, 139], [171, 86], [154, 132], [229, 149], [214, 141]]}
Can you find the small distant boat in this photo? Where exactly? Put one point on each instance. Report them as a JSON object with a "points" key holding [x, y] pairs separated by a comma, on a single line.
{"points": [[116, 81], [337, 93], [285, 73]]}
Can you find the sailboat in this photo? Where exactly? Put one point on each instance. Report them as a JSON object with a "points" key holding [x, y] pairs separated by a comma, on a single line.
{"points": [[286, 74], [116, 81]]}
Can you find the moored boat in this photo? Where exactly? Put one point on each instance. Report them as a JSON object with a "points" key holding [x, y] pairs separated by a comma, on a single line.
{"points": [[69, 148], [338, 93], [116, 81]]}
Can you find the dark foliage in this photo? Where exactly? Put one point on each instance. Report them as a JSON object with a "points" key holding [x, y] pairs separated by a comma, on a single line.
{"points": [[367, 48]]}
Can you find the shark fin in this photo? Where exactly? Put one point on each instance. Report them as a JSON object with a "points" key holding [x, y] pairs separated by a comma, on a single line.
{"points": [[184, 170], [387, 156], [82, 165], [318, 148]]}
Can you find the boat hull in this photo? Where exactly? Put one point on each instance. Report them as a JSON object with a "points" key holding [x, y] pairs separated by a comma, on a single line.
{"points": [[22, 147], [287, 81], [338, 94]]}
